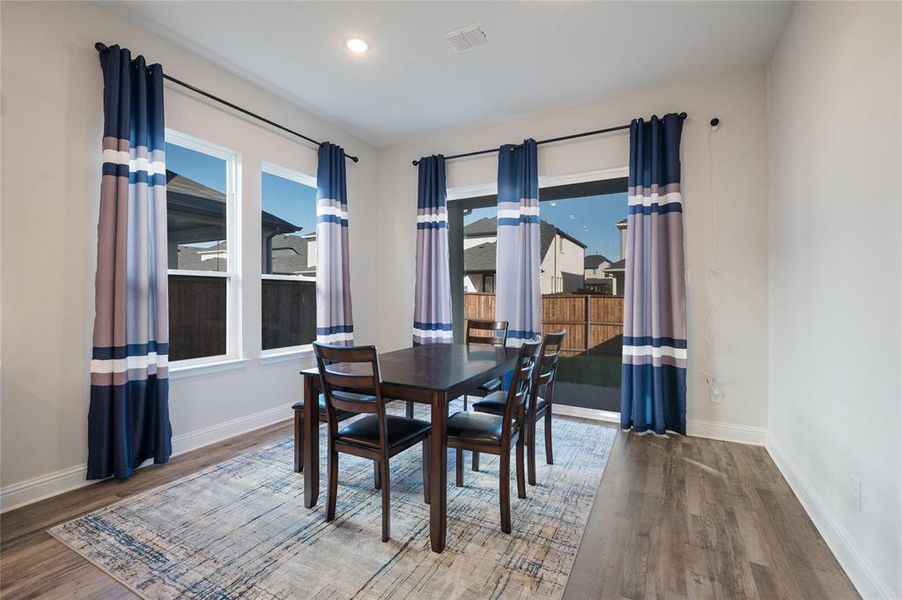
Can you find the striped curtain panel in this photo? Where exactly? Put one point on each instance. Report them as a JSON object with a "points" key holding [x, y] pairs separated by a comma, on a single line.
{"points": [[334, 324], [518, 293], [128, 420], [432, 302], [653, 394]]}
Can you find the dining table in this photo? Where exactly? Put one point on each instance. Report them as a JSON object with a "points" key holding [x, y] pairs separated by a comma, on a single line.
{"points": [[433, 375]]}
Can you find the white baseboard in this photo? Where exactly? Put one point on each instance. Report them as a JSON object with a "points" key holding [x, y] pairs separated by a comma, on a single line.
{"points": [[586, 413], [864, 575], [726, 432], [71, 478]]}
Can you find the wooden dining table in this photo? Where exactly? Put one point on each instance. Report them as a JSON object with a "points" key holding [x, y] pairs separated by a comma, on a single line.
{"points": [[433, 375]]}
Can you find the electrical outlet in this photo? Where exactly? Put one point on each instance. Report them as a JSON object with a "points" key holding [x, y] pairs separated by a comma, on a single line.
{"points": [[717, 394], [855, 491]]}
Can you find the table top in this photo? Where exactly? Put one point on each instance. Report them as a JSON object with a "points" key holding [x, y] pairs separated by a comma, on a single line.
{"points": [[442, 367]]}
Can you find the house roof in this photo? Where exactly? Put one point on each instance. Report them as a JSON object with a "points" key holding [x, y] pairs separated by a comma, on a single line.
{"points": [[621, 224], [480, 258], [592, 261], [289, 254], [488, 227], [620, 265], [185, 196]]}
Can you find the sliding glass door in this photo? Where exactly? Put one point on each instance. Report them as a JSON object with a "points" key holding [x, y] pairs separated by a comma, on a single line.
{"points": [[582, 231]]}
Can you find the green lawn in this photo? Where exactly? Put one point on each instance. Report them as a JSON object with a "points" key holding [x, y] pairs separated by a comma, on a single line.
{"points": [[596, 369]]}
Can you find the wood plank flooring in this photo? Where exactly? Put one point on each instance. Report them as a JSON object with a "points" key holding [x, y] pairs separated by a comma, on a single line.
{"points": [[674, 518], [696, 518]]}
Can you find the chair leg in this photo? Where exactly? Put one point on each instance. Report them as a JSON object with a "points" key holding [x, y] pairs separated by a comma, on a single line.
{"points": [[475, 461], [531, 451], [459, 466], [409, 409], [504, 487], [386, 500], [426, 444], [377, 481], [549, 452], [298, 441], [465, 402], [521, 478], [333, 483]]}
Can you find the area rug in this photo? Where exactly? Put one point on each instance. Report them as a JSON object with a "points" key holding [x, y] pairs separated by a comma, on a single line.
{"points": [[239, 529]]}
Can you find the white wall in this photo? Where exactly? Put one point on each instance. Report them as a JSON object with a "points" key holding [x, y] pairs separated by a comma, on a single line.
{"points": [[834, 398], [737, 355], [51, 130]]}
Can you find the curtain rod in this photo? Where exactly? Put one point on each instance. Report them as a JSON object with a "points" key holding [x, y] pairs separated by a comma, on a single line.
{"points": [[548, 141], [101, 47]]}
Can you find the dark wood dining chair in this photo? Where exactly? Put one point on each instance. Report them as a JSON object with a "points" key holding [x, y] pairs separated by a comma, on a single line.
{"points": [[352, 382], [298, 408], [484, 432], [541, 394], [486, 332]]}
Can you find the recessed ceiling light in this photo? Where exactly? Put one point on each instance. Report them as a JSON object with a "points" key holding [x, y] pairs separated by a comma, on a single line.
{"points": [[357, 45]]}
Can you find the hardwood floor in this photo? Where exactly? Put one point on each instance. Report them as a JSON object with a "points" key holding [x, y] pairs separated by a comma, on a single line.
{"points": [[696, 518], [674, 518]]}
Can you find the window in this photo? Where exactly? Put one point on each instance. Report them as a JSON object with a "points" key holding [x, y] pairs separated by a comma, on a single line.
{"points": [[201, 197], [288, 236]]}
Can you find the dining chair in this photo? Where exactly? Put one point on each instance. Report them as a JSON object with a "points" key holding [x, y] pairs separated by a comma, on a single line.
{"points": [[351, 382], [486, 332], [484, 432], [298, 408], [539, 406]]}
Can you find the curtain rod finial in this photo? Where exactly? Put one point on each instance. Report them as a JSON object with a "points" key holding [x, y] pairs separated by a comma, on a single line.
{"points": [[415, 162], [683, 116]]}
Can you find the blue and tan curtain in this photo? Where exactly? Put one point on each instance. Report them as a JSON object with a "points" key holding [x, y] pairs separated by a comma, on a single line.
{"points": [[334, 324], [653, 394], [128, 420], [518, 293], [432, 300]]}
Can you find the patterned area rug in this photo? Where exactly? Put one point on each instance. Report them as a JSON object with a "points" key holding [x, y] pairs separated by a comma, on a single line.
{"points": [[239, 529]]}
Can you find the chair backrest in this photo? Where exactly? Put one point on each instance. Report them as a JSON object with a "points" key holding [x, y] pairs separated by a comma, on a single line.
{"points": [[546, 367], [521, 383], [346, 373], [487, 332]]}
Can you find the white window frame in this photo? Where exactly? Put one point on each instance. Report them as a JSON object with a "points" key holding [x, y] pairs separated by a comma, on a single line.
{"points": [[288, 352], [233, 356]]}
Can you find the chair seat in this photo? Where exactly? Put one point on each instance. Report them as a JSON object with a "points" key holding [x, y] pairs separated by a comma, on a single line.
{"points": [[489, 387], [365, 431], [494, 404], [477, 428], [342, 414]]}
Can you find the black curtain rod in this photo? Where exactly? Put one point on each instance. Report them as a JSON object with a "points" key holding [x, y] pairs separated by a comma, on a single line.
{"points": [[101, 47], [549, 141]]}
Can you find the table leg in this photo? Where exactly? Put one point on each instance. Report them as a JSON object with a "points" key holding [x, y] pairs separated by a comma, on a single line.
{"points": [[311, 444], [438, 476]]}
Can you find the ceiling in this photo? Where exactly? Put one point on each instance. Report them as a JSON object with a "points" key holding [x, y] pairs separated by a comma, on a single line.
{"points": [[539, 55]]}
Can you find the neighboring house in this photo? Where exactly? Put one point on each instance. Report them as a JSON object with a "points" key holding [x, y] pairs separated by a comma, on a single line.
{"points": [[618, 269], [294, 254], [596, 279], [563, 257], [197, 222]]}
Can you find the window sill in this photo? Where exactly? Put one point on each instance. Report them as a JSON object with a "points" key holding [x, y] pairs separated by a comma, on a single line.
{"points": [[269, 357], [184, 371]]}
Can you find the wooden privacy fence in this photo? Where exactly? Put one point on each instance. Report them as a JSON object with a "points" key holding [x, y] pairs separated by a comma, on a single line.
{"points": [[592, 322]]}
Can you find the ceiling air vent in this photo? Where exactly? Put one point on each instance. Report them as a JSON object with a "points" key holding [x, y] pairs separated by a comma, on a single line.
{"points": [[466, 37]]}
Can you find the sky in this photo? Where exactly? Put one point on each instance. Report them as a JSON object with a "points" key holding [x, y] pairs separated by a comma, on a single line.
{"points": [[590, 219], [286, 199]]}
